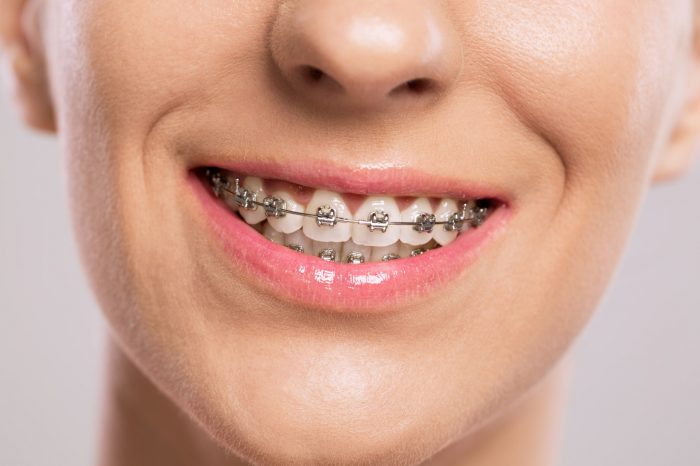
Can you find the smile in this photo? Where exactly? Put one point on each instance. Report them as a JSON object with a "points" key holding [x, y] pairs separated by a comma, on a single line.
{"points": [[378, 230], [343, 251]]}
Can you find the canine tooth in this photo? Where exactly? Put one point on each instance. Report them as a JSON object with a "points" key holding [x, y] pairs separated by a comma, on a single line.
{"points": [[273, 235], [299, 240], [275, 207], [290, 222], [254, 185], [327, 251], [338, 233], [446, 208], [349, 248], [409, 235], [383, 253], [381, 236]]}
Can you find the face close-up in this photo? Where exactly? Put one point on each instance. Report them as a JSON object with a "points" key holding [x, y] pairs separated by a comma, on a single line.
{"points": [[354, 232]]}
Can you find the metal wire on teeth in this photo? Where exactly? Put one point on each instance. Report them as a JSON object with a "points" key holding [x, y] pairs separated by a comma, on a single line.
{"points": [[378, 220]]}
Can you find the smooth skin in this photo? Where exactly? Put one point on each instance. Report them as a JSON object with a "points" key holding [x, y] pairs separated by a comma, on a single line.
{"points": [[576, 106]]}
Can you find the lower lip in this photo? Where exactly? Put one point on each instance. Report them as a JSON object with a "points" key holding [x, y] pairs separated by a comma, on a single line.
{"points": [[373, 287]]}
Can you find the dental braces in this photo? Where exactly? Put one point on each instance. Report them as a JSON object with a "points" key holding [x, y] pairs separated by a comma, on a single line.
{"points": [[378, 220]]}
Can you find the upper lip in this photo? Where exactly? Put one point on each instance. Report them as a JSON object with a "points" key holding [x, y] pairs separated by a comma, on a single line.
{"points": [[375, 179]]}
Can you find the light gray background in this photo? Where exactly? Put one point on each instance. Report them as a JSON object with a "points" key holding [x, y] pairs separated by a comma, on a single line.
{"points": [[634, 399]]}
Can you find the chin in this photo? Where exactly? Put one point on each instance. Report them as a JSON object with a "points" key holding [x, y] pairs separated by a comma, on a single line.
{"points": [[290, 424], [310, 399]]}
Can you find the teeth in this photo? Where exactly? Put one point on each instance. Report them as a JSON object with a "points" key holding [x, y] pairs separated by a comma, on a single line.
{"points": [[272, 234], [228, 197], [385, 253], [337, 233], [223, 187], [327, 251], [320, 233], [352, 253], [409, 250], [288, 223], [257, 215], [299, 239], [380, 206], [409, 235], [230, 201], [446, 208]]}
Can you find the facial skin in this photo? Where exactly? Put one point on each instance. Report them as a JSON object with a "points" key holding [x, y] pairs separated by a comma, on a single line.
{"points": [[575, 107]]}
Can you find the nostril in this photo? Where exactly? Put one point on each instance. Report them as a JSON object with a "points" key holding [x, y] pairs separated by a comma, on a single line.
{"points": [[414, 86], [368, 58], [316, 77], [312, 73], [419, 85]]}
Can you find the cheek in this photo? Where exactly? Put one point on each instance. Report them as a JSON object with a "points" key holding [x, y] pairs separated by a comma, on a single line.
{"points": [[593, 78], [598, 81], [132, 61], [120, 64]]}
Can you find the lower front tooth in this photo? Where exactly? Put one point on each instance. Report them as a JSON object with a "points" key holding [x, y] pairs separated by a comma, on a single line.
{"points": [[255, 186], [272, 234], [298, 242], [327, 251], [385, 253], [408, 250], [355, 254]]}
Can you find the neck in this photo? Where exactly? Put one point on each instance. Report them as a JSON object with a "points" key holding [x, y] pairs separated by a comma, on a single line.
{"points": [[143, 427]]}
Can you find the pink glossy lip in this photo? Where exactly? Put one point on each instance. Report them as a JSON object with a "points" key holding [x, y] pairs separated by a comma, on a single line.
{"points": [[311, 282]]}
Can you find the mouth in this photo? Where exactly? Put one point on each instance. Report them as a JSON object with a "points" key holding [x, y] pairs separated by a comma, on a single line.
{"points": [[341, 250]]}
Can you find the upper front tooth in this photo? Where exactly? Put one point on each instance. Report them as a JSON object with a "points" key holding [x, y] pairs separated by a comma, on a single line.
{"points": [[288, 223], [255, 186], [380, 205], [446, 208], [409, 235], [337, 233]]}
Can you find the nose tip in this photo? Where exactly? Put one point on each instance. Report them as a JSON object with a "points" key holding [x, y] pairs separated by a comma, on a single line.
{"points": [[365, 53]]}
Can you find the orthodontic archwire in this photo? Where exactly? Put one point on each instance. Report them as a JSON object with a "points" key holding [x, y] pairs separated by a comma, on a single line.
{"points": [[378, 220]]}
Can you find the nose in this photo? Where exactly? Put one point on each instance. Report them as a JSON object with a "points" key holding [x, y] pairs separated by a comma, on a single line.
{"points": [[365, 53]]}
